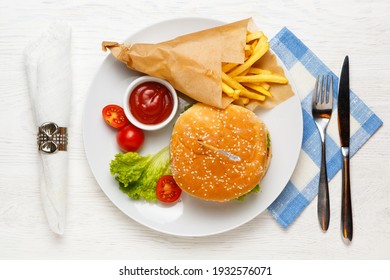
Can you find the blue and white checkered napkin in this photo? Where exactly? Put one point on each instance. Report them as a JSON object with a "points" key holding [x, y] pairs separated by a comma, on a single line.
{"points": [[304, 66]]}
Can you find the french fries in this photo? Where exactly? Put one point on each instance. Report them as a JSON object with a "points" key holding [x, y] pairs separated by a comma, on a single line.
{"points": [[261, 78], [245, 82], [242, 91]]}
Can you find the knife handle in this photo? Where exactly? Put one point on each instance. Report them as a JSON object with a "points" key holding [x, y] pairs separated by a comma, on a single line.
{"points": [[346, 204], [323, 211]]}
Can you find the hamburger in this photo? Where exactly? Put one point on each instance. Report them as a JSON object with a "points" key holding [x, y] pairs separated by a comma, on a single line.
{"points": [[201, 170]]}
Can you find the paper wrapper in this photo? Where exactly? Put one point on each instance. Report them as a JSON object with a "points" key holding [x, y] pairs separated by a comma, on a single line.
{"points": [[192, 63]]}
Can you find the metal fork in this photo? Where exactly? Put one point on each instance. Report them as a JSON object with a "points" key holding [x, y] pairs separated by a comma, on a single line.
{"points": [[322, 111]]}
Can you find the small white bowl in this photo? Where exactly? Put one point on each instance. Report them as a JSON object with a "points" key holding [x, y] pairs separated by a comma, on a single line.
{"points": [[126, 105]]}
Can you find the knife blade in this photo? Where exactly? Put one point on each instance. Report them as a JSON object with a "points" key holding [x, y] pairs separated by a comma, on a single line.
{"points": [[344, 132]]}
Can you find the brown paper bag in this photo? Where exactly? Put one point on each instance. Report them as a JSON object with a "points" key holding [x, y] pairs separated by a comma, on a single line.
{"points": [[192, 63]]}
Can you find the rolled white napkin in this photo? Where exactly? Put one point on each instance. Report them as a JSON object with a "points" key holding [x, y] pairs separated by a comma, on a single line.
{"points": [[48, 66]]}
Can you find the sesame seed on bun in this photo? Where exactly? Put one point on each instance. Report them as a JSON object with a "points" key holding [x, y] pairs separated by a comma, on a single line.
{"points": [[205, 173]]}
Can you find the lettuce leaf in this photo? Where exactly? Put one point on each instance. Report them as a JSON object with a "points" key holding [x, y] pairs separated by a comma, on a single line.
{"points": [[138, 175], [256, 189]]}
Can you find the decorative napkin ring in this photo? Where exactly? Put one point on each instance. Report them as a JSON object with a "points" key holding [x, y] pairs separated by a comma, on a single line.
{"points": [[52, 138]]}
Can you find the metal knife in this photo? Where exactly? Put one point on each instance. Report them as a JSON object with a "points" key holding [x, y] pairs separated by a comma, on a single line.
{"points": [[344, 131]]}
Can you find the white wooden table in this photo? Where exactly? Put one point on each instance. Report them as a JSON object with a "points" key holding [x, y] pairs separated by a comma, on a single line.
{"points": [[96, 229]]}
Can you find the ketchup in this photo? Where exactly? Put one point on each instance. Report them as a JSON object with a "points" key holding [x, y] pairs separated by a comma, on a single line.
{"points": [[151, 103]]}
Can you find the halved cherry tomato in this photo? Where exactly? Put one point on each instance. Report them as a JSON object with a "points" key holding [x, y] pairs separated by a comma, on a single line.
{"points": [[114, 116], [130, 138], [167, 190]]}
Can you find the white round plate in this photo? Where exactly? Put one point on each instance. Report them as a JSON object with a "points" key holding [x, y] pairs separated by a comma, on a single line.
{"points": [[190, 216]]}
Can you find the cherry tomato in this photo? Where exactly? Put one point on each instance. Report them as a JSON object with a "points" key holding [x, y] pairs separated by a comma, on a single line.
{"points": [[114, 116], [167, 190], [130, 138]]}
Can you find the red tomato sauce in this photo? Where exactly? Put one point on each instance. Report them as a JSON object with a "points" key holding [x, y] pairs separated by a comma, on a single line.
{"points": [[151, 103]]}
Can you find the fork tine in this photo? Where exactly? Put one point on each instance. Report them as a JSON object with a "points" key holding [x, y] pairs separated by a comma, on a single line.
{"points": [[330, 91], [323, 88], [326, 90], [315, 92]]}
